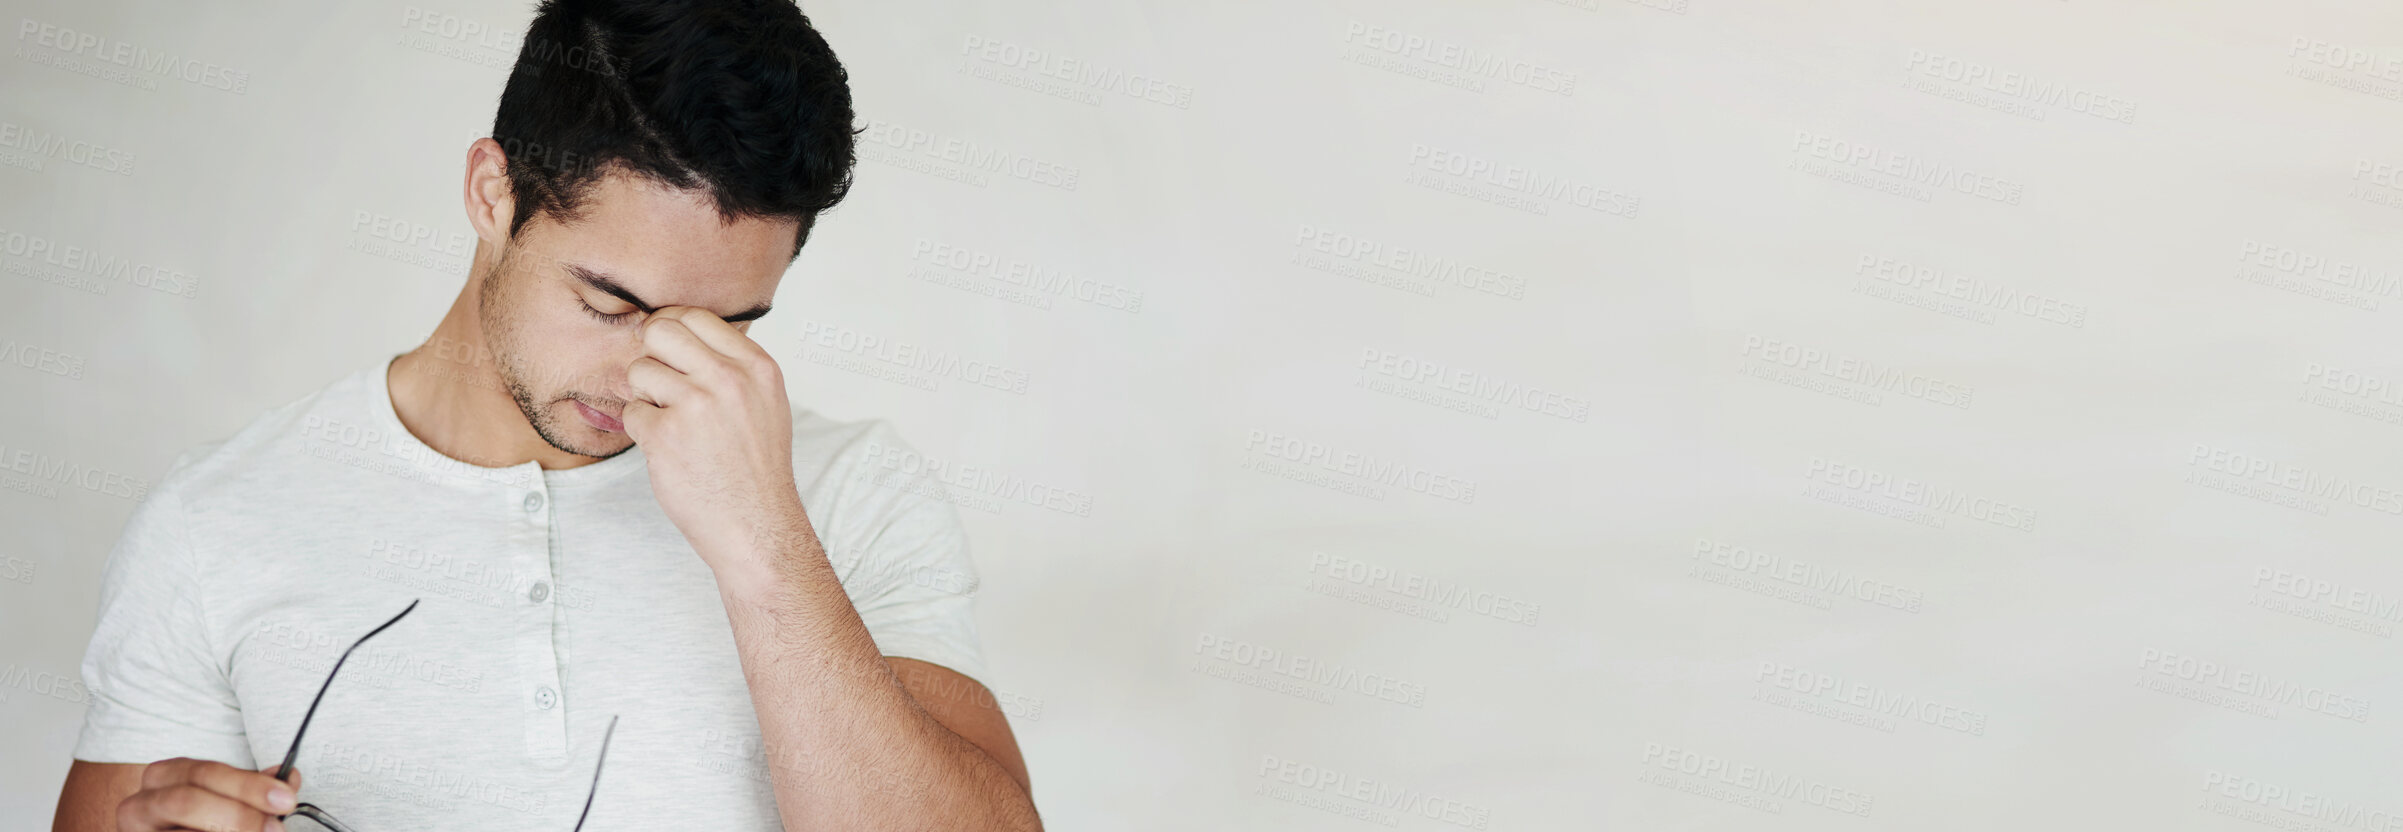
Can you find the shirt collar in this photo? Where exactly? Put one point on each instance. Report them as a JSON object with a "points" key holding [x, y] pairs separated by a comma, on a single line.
{"points": [[521, 475]]}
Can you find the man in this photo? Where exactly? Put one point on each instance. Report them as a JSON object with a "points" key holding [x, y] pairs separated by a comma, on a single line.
{"points": [[591, 483]]}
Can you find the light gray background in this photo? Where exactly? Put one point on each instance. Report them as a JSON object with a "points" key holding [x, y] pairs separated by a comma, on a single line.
{"points": [[2091, 519]]}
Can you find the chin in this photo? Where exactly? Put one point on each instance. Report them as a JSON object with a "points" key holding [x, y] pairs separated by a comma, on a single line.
{"points": [[610, 444], [592, 441], [600, 444], [566, 430]]}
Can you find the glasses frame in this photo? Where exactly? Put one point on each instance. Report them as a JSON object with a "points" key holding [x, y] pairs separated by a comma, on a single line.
{"points": [[311, 810]]}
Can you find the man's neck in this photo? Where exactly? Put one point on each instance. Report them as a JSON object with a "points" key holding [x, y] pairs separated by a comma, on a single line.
{"points": [[448, 393]]}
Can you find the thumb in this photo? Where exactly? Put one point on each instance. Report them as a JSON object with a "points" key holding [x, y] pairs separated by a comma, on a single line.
{"points": [[295, 781]]}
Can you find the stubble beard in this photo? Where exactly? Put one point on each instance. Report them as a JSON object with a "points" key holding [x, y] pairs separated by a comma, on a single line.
{"points": [[501, 336]]}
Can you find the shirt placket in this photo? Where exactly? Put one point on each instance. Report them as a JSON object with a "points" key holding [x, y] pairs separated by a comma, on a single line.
{"points": [[542, 696]]}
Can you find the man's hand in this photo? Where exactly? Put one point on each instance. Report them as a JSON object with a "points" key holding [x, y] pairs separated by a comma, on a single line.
{"points": [[184, 793], [710, 413]]}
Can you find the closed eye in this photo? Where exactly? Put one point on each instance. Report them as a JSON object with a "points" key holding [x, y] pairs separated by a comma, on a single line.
{"points": [[607, 319]]}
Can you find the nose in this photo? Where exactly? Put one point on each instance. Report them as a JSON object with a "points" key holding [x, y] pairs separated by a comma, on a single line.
{"points": [[614, 384], [611, 379]]}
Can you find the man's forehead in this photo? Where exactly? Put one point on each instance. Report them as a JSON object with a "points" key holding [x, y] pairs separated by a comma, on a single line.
{"points": [[665, 246], [630, 214]]}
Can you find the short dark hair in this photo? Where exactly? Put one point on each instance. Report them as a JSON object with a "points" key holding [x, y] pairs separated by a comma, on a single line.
{"points": [[738, 97]]}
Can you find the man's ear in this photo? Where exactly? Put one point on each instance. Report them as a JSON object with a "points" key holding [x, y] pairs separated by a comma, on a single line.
{"points": [[490, 204]]}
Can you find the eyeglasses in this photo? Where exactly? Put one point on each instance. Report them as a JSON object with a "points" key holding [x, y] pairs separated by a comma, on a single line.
{"points": [[312, 812]]}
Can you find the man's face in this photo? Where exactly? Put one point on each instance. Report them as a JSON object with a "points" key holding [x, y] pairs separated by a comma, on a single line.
{"points": [[564, 306]]}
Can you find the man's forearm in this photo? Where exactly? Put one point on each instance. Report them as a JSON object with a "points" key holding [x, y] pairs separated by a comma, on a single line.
{"points": [[847, 746]]}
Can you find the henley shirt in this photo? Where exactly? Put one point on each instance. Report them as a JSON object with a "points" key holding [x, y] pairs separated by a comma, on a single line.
{"points": [[549, 601]]}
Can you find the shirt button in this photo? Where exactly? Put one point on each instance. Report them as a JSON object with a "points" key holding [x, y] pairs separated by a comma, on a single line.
{"points": [[541, 590], [533, 502], [545, 697]]}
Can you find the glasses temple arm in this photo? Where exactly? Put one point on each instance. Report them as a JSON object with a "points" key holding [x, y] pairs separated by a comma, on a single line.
{"points": [[283, 772], [596, 774], [310, 811]]}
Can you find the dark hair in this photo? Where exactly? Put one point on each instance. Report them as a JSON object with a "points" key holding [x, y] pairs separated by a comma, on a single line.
{"points": [[739, 97]]}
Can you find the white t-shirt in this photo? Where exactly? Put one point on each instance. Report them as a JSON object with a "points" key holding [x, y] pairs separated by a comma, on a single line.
{"points": [[551, 601]]}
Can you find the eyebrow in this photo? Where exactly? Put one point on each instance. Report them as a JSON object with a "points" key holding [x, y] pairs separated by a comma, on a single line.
{"points": [[604, 283]]}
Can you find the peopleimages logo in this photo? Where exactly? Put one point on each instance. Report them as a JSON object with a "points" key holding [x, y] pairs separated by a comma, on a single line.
{"points": [[1806, 574], [76, 263], [41, 359], [2259, 686], [2315, 266], [1934, 498], [969, 161], [1043, 282], [903, 362], [1308, 670], [1750, 784], [1418, 270], [2020, 87], [1484, 392], [1365, 474], [1530, 188], [1871, 698], [453, 27], [1904, 174], [1078, 80], [1474, 62], [47, 468], [1869, 374], [1382, 794], [2347, 58], [2303, 802], [2237, 468], [2321, 590], [978, 479], [1976, 292], [44, 145], [70, 43], [65, 687], [1446, 594]]}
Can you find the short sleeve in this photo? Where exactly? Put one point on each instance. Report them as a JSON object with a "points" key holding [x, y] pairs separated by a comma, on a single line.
{"points": [[158, 689], [908, 570]]}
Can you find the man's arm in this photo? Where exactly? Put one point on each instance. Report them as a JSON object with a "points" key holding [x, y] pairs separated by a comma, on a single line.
{"points": [[967, 708], [89, 801], [851, 744], [151, 656], [856, 740]]}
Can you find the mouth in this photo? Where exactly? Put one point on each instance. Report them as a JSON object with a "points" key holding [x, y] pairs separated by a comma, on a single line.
{"points": [[597, 419]]}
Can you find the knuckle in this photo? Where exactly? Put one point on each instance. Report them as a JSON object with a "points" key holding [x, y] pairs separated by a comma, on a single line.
{"points": [[176, 801], [163, 772]]}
